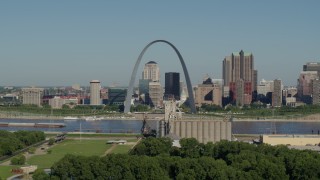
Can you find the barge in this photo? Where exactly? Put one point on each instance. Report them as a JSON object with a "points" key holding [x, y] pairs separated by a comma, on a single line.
{"points": [[36, 125]]}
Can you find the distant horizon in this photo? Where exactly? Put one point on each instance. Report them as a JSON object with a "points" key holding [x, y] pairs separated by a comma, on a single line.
{"points": [[50, 43]]}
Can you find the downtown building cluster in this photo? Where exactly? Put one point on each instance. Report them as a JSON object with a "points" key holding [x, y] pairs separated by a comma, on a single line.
{"points": [[238, 87]]}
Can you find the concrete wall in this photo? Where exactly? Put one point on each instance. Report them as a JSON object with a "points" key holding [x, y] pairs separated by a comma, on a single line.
{"points": [[203, 130], [293, 140]]}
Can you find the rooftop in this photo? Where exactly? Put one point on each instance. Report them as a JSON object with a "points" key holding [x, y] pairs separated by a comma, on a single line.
{"points": [[151, 62], [95, 81], [244, 53]]}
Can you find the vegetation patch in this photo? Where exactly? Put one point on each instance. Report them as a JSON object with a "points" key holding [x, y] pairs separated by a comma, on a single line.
{"points": [[12, 142], [74, 147], [157, 159], [5, 171]]}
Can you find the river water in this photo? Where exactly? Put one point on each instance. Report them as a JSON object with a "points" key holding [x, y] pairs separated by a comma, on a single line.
{"points": [[134, 126]]}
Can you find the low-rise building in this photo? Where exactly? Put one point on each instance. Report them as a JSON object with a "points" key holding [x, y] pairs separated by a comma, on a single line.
{"points": [[57, 102], [208, 93], [293, 140]]}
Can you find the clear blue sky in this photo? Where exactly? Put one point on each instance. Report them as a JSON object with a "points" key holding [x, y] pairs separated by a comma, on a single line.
{"points": [[67, 42]]}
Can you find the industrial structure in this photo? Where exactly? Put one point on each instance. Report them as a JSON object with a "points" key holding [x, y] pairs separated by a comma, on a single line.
{"points": [[203, 130]]}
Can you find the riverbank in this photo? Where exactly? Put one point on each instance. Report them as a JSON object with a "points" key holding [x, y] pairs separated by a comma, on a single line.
{"points": [[276, 120], [156, 119], [150, 116]]}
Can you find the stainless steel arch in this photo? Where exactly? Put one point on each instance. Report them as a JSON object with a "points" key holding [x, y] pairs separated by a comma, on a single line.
{"points": [[134, 74]]}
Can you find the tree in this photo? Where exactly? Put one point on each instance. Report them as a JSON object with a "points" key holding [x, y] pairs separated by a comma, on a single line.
{"points": [[39, 174], [153, 146], [18, 160], [65, 106], [32, 150], [51, 141], [190, 147], [150, 159]]}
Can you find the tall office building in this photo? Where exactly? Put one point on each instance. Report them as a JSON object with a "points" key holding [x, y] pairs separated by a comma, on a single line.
{"points": [[312, 66], [240, 67], [311, 72], [32, 96], [316, 91], [239, 92], [151, 71], [155, 94], [305, 85], [227, 70], [277, 93], [95, 92], [172, 86], [144, 90], [255, 80]]}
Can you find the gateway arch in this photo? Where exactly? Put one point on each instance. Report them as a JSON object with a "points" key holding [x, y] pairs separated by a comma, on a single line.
{"points": [[134, 74]]}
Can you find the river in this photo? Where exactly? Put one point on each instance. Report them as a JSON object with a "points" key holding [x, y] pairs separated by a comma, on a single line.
{"points": [[134, 126]]}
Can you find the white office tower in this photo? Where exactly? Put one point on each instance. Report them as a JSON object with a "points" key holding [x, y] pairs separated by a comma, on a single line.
{"points": [[95, 92]]}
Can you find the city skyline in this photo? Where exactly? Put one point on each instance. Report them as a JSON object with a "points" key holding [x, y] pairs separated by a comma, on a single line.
{"points": [[52, 43]]}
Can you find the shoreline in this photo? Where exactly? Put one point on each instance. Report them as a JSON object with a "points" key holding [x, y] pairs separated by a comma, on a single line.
{"points": [[134, 118], [276, 120]]}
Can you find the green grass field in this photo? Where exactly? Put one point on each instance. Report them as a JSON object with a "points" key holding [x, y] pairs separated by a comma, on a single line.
{"points": [[121, 149], [104, 135], [76, 147], [5, 171]]}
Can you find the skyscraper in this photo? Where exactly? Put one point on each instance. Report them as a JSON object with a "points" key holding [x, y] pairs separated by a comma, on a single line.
{"points": [[155, 94], [151, 71], [144, 90], [316, 91], [305, 85], [172, 85], [312, 66], [95, 92], [277, 93], [150, 90], [240, 66]]}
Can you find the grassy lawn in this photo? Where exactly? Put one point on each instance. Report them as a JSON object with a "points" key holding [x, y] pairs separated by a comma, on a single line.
{"points": [[5, 171], [105, 135], [121, 149], [84, 148]]}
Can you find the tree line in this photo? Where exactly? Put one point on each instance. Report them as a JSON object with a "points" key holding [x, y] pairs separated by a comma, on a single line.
{"points": [[14, 141], [155, 158]]}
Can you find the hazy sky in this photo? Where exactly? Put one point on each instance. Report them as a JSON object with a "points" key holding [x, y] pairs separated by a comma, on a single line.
{"points": [[67, 42]]}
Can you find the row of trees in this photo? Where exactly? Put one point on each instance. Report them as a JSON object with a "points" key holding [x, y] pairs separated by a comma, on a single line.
{"points": [[13, 141], [258, 110], [157, 159], [66, 110]]}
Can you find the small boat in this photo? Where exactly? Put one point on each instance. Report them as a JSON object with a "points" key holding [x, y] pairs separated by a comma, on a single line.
{"points": [[70, 118], [90, 118]]}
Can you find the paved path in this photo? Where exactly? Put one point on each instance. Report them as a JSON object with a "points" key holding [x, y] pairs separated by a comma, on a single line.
{"points": [[136, 143], [108, 151]]}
